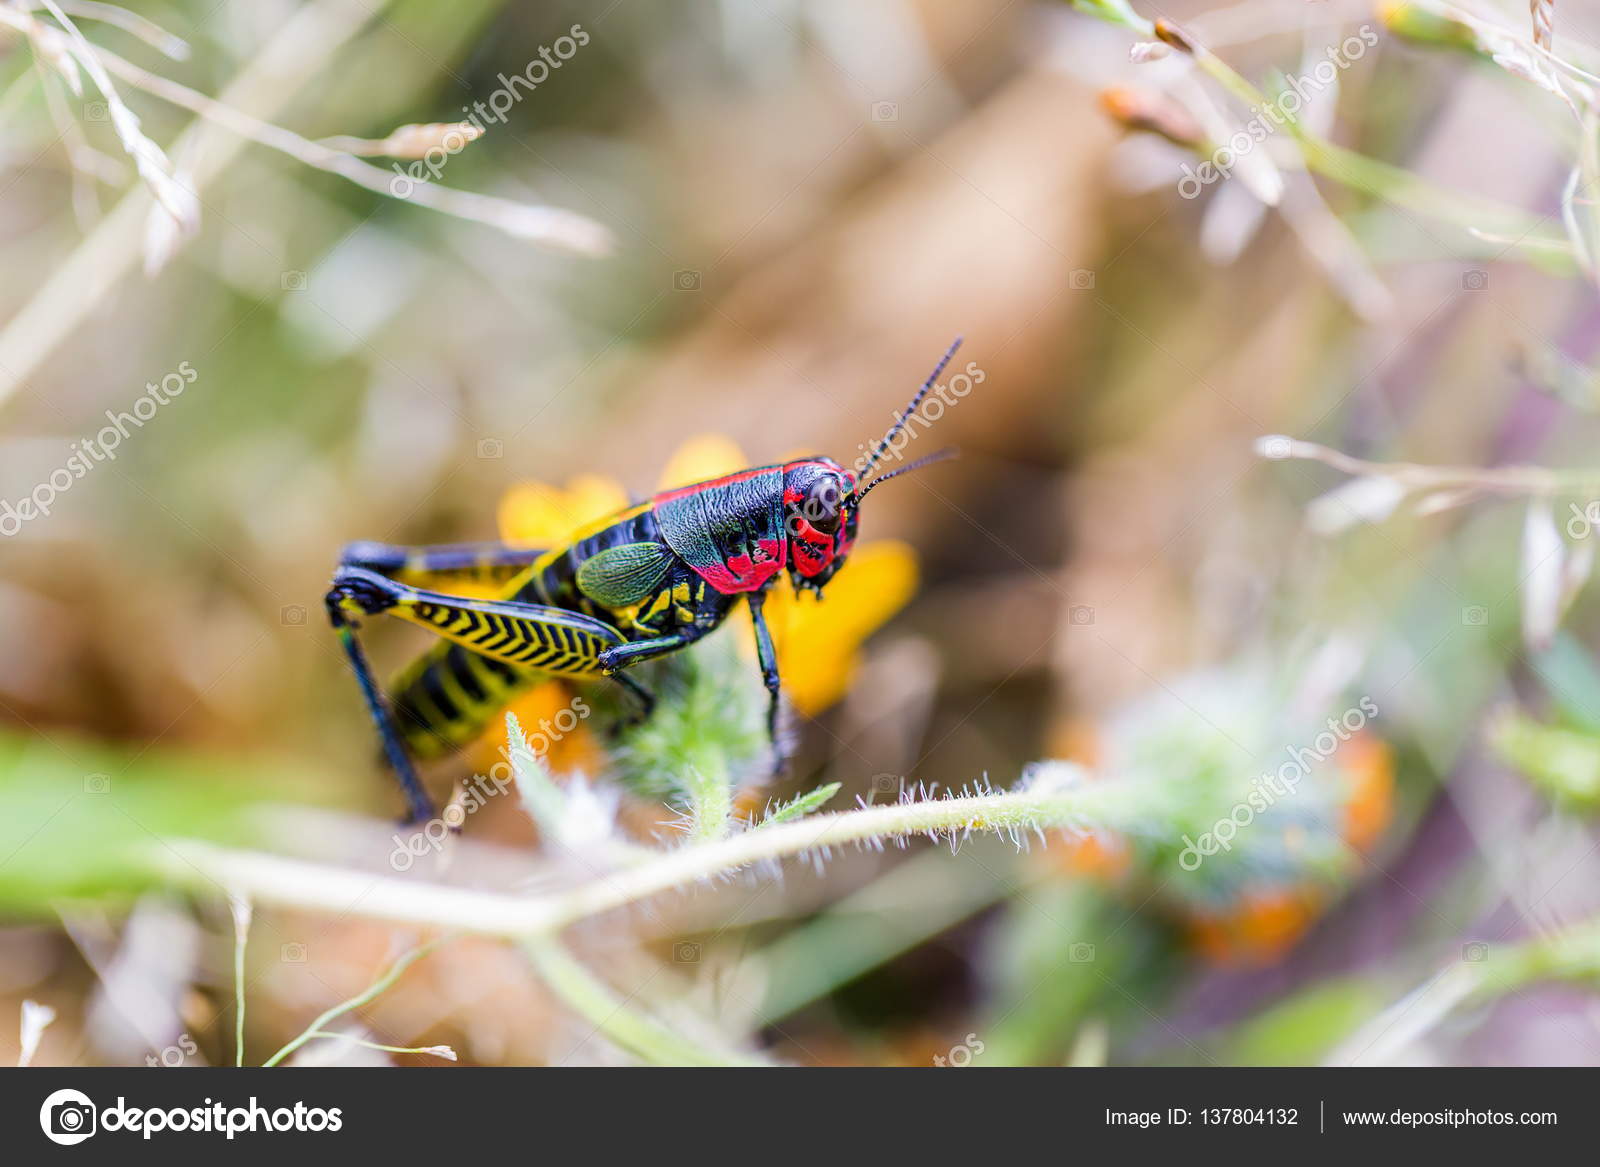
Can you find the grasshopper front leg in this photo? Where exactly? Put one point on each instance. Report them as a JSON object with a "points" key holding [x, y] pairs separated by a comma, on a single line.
{"points": [[768, 656]]}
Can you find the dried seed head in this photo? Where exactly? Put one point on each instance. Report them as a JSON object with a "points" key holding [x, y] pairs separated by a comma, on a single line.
{"points": [[414, 141], [1169, 33], [1152, 113], [1544, 22]]}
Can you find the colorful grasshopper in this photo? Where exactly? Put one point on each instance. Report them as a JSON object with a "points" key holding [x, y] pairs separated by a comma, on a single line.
{"points": [[646, 581]]}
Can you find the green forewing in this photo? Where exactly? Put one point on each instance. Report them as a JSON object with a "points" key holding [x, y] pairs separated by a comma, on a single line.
{"points": [[624, 575]]}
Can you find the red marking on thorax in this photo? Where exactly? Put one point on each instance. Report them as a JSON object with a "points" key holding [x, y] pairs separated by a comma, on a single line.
{"points": [[742, 574], [739, 573]]}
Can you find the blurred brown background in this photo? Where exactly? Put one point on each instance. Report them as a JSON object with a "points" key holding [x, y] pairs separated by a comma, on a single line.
{"points": [[808, 201]]}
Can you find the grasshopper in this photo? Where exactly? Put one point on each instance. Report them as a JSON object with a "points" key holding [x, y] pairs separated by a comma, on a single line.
{"points": [[647, 581]]}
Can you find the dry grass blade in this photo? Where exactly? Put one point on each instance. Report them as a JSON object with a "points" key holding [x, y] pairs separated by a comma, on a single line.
{"points": [[151, 33], [297, 52], [553, 226], [152, 163], [1544, 19], [47, 51]]}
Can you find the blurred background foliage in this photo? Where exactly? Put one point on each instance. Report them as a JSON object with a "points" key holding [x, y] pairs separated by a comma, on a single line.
{"points": [[807, 199]]}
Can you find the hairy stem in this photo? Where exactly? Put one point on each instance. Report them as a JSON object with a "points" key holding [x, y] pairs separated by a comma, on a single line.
{"points": [[291, 882], [710, 798]]}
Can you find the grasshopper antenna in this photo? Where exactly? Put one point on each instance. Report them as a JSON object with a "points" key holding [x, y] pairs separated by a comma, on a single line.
{"points": [[944, 455], [900, 418]]}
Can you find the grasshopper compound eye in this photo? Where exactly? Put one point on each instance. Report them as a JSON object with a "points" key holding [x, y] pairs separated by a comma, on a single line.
{"points": [[821, 507]]}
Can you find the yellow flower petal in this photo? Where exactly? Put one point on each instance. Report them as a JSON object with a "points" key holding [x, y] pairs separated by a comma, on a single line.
{"points": [[538, 710], [535, 514], [593, 497], [701, 457]]}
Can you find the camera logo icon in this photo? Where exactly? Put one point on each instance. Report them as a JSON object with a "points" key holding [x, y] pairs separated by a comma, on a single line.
{"points": [[1275, 446], [292, 616], [67, 1117], [1474, 281], [1475, 952], [685, 952], [885, 111], [491, 448], [293, 281], [686, 280], [1080, 615], [1475, 616], [1081, 280]]}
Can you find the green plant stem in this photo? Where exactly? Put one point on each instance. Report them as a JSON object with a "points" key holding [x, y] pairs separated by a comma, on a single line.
{"points": [[238, 998], [240, 909], [294, 883], [1380, 180], [711, 798], [1571, 955], [376, 988], [1392, 184], [595, 1003], [906, 906]]}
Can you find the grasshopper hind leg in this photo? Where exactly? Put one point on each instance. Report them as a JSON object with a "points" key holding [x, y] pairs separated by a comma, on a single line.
{"points": [[504, 643], [419, 805], [645, 698]]}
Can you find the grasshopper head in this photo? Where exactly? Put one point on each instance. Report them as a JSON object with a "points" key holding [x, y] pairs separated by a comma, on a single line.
{"points": [[818, 519], [821, 499]]}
